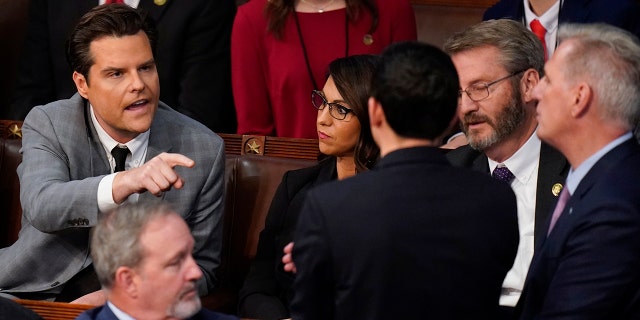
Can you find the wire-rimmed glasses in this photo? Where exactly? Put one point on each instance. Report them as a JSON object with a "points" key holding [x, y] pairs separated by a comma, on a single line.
{"points": [[336, 110], [480, 90]]}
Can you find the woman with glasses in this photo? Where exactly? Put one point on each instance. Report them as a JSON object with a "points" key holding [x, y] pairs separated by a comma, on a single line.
{"points": [[281, 50], [342, 126]]}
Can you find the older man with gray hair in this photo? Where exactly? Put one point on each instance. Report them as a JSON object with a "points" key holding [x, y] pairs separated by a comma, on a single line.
{"points": [[587, 267], [142, 254]]}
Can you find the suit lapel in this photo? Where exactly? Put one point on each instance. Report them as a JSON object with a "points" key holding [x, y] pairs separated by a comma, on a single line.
{"points": [[98, 162], [552, 170]]}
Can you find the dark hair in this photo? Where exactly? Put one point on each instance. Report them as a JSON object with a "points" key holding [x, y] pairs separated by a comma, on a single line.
{"points": [[115, 20], [352, 76], [417, 86], [277, 12]]}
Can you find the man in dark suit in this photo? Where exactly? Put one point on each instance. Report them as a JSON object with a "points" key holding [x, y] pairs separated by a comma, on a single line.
{"points": [[588, 267], [499, 63], [143, 255], [112, 142], [407, 239], [550, 13], [193, 56]]}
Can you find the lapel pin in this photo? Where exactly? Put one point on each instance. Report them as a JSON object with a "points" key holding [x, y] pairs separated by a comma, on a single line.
{"points": [[159, 2], [556, 189]]}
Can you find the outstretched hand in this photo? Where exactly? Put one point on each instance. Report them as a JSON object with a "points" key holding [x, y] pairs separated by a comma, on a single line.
{"points": [[156, 176]]}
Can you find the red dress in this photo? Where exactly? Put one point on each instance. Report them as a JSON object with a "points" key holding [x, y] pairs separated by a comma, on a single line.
{"points": [[271, 84]]}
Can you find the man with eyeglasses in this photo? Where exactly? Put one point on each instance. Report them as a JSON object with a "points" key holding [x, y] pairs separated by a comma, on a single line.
{"points": [[499, 62]]}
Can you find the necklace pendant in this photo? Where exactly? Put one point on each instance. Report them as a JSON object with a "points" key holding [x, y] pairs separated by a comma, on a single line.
{"points": [[320, 10]]}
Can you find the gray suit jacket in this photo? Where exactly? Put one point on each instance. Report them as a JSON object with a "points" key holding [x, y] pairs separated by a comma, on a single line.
{"points": [[63, 163]]}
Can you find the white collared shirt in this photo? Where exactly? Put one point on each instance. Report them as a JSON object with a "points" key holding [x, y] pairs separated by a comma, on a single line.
{"points": [[131, 3], [524, 166], [549, 21], [138, 147], [121, 315]]}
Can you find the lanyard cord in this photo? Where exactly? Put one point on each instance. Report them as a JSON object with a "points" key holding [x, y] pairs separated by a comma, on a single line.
{"points": [[304, 48]]}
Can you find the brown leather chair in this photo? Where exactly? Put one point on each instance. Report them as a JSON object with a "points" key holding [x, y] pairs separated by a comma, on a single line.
{"points": [[10, 157]]}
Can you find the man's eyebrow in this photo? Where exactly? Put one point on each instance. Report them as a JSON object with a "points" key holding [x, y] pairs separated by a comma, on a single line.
{"points": [[116, 69], [151, 61]]}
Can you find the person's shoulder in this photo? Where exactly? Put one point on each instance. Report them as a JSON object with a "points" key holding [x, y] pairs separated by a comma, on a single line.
{"points": [[311, 172], [92, 314], [463, 156], [297, 179], [10, 309], [178, 124], [62, 112], [503, 9]]}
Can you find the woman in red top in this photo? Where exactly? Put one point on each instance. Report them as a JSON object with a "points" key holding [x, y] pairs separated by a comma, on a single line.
{"points": [[280, 51]]}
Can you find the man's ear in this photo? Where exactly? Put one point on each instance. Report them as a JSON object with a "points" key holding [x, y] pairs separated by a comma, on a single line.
{"points": [[127, 279], [376, 114], [583, 96], [81, 84], [529, 81]]}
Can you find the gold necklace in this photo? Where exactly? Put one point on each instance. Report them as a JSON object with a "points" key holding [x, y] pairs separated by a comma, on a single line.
{"points": [[320, 9]]}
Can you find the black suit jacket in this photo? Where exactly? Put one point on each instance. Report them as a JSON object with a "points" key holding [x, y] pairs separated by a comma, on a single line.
{"points": [[266, 292], [620, 13], [409, 239], [552, 169], [589, 265], [192, 56]]}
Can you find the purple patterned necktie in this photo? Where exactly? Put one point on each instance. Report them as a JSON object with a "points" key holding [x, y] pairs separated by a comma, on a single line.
{"points": [[562, 202], [502, 173]]}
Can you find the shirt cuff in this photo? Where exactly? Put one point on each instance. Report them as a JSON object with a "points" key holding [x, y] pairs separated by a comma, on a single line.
{"points": [[105, 194]]}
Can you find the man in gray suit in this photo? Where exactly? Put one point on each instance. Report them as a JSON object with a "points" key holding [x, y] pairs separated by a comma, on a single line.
{"points": [[499, 62], [69, 173]]}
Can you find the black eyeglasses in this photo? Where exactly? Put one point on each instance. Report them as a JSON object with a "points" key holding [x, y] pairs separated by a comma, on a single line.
{"points": [[336, 110], [480, 90]]}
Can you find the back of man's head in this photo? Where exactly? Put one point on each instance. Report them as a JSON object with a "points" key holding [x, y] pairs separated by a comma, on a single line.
{"points": [[417, 86], [113, 20]]}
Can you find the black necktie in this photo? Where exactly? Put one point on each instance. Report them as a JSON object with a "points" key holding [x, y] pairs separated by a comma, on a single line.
{"points": [[120, 155]]}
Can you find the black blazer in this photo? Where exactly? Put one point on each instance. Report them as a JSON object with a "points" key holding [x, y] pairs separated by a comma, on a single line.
{"points": [[552, 169], [192, 56], [266, 292], [620, 13], [589, 265], [414, 238]]}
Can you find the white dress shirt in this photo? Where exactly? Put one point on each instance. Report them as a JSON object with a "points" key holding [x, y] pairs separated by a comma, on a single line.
{"points": [[524, 166]]}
